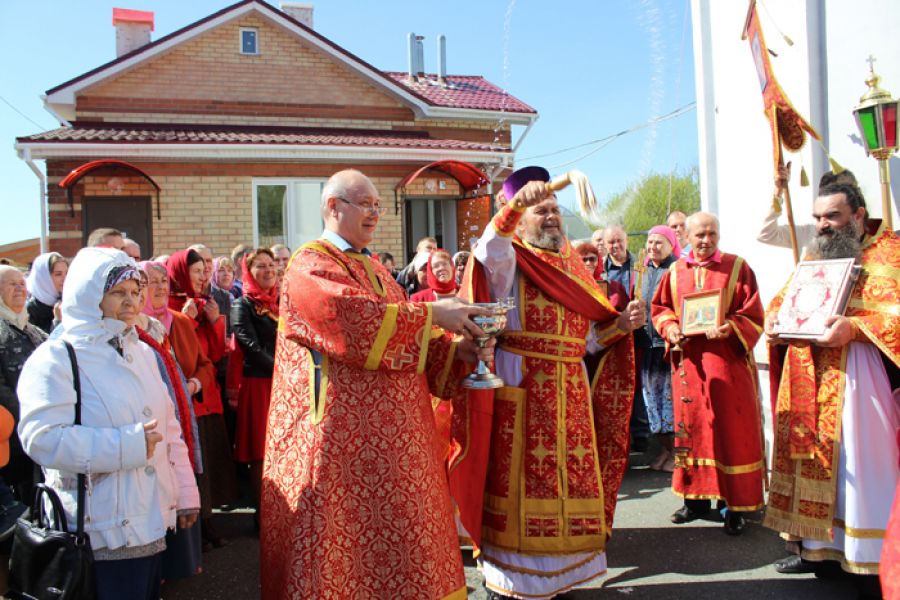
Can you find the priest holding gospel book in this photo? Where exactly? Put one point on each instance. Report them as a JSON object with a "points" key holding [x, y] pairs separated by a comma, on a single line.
{"points": [[836, 408]]}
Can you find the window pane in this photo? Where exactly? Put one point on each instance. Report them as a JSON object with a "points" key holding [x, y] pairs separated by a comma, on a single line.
{"points": [[270, 211], [304, 213], [248, 42]]}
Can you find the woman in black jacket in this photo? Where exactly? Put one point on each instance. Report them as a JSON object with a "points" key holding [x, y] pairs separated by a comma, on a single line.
{"points": [[254, 320]]}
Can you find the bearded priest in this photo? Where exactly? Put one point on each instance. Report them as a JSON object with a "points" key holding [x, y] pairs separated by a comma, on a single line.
{"points": [[557, 445], [837, 411]]}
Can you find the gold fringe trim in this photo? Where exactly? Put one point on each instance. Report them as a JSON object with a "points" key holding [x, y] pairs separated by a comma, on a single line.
{"points": [[857, 568], [561, 590], [790, 527], [536, 573]]}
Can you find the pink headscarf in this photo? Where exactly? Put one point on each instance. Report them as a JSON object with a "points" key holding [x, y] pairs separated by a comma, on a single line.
{"points": [[669, 234], [160, 314]]}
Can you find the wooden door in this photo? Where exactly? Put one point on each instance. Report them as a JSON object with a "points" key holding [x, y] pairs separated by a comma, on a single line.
{"points": [[132, 215]]}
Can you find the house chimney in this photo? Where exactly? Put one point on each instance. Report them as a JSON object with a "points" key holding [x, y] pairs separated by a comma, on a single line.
{"points": [[416, 56], [442, 59], [133, 29], [300, 11]]}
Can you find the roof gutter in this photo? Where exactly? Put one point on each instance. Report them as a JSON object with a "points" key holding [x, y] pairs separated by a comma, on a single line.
{"points": [[25, 154], [522, 137], [244, 152]]}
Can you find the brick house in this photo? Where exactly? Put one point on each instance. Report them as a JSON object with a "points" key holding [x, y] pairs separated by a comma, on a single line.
{"points": [[224, 131]]}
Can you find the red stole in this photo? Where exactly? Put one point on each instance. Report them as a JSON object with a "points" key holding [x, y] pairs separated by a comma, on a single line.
{"points": [[469, 462]]}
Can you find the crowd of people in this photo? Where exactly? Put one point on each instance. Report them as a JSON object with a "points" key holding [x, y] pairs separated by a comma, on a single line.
{"points": [[331, 383]]}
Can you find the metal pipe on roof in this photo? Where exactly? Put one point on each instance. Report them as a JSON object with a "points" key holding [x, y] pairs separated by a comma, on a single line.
{"points": [[442, 59], [411, 40]]}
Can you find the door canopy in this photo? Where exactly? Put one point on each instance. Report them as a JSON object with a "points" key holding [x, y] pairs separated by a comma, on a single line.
{"points": [[469, 176], [78, 172]]}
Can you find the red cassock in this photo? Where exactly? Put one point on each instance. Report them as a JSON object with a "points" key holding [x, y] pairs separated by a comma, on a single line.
{"points": [[726, 459], [355, 500]]}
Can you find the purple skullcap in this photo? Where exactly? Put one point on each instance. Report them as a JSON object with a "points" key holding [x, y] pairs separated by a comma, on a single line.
{"points": [[517, 180]]}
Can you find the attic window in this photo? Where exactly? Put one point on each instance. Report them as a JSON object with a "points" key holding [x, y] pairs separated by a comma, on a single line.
{"points": [[249, 40]]}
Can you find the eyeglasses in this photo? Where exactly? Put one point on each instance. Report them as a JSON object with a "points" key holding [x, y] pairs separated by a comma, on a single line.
{"points": [[370, 210]]}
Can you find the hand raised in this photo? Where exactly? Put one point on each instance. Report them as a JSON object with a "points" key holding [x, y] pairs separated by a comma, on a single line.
{"points": [[211, 310], [190, 308], [533, 192]]}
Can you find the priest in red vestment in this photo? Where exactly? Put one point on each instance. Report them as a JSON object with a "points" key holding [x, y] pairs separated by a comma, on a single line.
{"points": [[355, 498], [837, 406], [715, 392], [556, 447]]}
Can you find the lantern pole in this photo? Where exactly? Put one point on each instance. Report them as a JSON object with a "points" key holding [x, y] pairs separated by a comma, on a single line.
{"points": [[876, 118]]}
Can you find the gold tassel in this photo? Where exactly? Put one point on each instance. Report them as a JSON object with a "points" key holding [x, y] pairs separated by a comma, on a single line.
{"points": [[804, 178], [836, 168], [788, 40]]}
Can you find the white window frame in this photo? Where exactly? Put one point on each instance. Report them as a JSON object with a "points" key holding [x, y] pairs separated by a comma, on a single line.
{"points": [[290, 184], [241, 40]]}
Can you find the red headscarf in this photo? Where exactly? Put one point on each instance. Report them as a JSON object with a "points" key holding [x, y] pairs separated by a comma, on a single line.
{"points": [[441, 287], [180, 287], [253, 290]]}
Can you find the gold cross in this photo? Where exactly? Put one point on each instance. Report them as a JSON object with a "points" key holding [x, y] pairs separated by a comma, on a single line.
{"points": [[541, 452]]}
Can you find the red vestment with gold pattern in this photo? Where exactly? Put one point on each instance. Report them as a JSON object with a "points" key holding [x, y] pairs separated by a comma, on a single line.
{"points": [[817, 390], [355, 500], [723, 423], [556, 450]]}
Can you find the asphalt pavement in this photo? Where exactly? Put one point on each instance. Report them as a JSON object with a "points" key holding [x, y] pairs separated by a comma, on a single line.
{"points": [[649, 557]]}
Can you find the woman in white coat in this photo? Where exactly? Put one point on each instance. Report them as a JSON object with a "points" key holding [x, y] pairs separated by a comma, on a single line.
{"points": [[139, 478]]}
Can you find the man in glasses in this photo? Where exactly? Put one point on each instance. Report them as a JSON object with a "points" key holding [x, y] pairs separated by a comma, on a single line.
{"points": [[355, 500]]}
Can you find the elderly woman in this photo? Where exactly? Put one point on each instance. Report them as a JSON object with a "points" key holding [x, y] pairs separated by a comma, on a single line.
{"points": [[460, 259], [218, 485], [440, 278], [223, 273], [254, 318], [591, 258], [129, 442], [18, 339], [656, 376], [45, 284], [182, 557]]}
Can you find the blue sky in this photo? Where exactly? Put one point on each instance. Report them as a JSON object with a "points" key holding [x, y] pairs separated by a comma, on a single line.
{"points": [[590, 68]]}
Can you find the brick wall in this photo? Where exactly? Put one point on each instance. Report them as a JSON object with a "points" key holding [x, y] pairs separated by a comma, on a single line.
{"points": [[210, 68], [290, 84], [211, 203]]}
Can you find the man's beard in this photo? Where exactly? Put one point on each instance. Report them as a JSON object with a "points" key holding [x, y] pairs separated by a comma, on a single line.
{"points": [[840, 243], [544, 240]]}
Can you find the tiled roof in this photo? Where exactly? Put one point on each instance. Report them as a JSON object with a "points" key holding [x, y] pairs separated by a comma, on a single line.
{"points": [[166, 134], [462, 91]]}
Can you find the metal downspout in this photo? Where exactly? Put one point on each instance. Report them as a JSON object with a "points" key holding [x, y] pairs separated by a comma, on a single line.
{"points": [[42, 180]]}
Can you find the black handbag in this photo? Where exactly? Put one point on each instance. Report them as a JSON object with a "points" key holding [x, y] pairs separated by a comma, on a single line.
{"points": [[48, 562]]}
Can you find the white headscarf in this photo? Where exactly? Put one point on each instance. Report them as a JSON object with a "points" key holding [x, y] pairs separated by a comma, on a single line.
{"points": [[19, 319], [82, 320], [40, 282]]}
